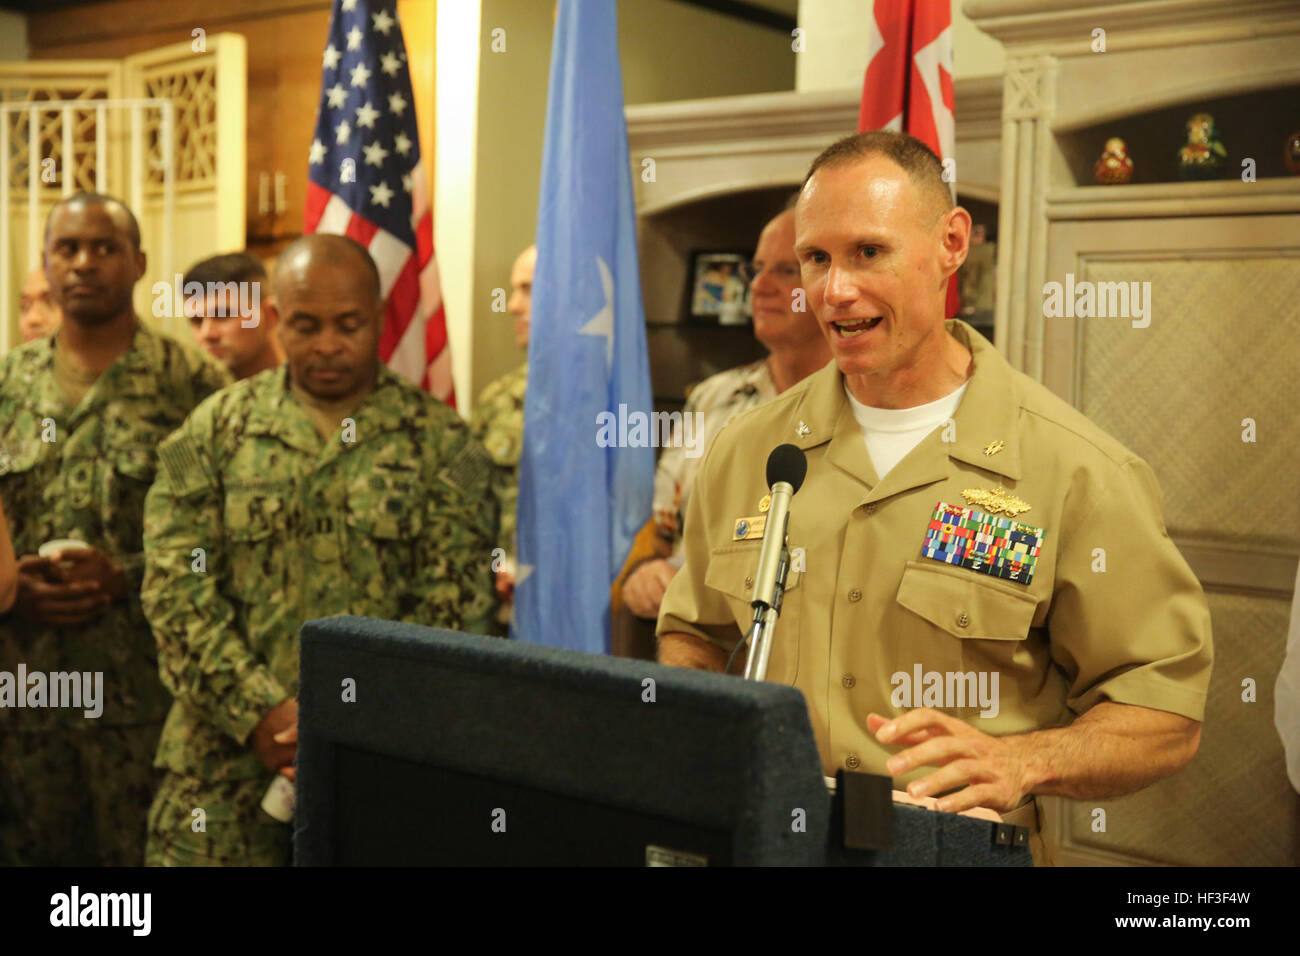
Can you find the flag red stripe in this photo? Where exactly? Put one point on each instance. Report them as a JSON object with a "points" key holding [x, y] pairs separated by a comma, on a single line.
{"points": [[424, 239], [403, 299], [317, 200]]}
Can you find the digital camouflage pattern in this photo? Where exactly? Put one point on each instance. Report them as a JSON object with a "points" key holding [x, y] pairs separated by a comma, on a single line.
{"points": [[234, 830], [398, 524], [499, 427], [83, 473]]}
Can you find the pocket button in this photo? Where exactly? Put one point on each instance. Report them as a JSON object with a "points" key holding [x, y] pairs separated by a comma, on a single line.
{"points": [[963, 619]]}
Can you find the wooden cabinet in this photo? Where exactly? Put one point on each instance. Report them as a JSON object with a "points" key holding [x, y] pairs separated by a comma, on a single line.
{"points": [[1202, 385], [284, 75]]}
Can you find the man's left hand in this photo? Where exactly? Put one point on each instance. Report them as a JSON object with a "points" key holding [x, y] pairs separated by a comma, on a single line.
{"points": [[90, 564], [992, 769]]}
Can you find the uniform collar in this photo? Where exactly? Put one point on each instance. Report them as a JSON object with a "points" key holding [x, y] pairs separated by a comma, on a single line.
{"points": [[135, 374], [295, 428], [988, 412], [756, 376]]}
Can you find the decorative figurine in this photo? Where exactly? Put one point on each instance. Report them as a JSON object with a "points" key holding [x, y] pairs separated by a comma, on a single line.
{"points": [[1203, 156], [1115, 166], [1292, 153]]}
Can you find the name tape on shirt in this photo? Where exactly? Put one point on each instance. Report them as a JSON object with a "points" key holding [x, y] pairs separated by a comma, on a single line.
{"points": [[982, 542]]}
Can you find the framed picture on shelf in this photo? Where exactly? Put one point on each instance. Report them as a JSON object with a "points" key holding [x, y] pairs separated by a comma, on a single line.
{"points": [[717, 289]]}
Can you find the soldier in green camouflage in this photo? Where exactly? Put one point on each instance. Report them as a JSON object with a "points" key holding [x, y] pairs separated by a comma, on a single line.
{"points": [[326, 486], [499, 425], [82, 412]]}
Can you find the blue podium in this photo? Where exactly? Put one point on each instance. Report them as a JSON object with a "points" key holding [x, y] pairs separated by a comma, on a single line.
{"points": [[420, 746]]}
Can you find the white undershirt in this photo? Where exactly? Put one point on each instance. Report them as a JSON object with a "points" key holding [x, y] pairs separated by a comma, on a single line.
{"points": [[890, 433]]}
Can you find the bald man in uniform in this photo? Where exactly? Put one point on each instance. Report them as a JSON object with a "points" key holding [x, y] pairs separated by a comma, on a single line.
{"points": [[950, 524], [324, 486]]}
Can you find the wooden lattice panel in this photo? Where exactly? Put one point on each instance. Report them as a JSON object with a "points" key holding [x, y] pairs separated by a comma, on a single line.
{"points": [[191, 87], [50, 136], [1233, 805], [1221, 347]]}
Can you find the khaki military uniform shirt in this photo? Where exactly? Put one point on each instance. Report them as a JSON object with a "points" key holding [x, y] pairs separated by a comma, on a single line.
{"points": [[394, 520], [82, 472], [864, 603], [498, 425]]}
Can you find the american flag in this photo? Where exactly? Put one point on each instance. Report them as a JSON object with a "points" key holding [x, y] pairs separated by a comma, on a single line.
{"points": [[367, 182], [908, 83]]}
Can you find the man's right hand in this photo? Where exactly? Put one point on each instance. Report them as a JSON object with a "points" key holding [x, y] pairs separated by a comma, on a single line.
{"points": [[281, 717], [45, 599], [644, 589]]}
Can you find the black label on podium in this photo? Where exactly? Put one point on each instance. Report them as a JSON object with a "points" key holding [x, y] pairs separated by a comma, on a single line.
{"points": [[864, 810]]}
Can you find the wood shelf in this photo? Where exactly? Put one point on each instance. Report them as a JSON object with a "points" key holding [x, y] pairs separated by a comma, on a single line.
{"points": [[1221, 197]]}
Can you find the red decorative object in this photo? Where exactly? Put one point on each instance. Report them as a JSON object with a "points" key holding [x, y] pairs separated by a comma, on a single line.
{"points": [[1292, 153], [1115, 166]]}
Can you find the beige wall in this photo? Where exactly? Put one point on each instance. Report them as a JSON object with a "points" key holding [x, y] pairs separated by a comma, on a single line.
{"points": [[668, 51]]}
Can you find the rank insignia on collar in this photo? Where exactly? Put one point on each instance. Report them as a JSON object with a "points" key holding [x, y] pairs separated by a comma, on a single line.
{"points": [[803, 431], [748, 528], [971, 539], [764, 503], [993, 447], [996, 500]]}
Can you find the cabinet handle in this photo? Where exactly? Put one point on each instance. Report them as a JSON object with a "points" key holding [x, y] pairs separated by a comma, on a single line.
{"points": [[263, 193], [280, 205]]}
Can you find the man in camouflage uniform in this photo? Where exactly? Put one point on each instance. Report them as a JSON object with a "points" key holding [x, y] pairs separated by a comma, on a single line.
{"points": [[326, 486], [499, 425], [82, 412]]}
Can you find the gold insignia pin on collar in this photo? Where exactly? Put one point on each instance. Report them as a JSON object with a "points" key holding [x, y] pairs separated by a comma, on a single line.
{"points": [[764, 503], [803, 431], [993, 447], [995, 500]]}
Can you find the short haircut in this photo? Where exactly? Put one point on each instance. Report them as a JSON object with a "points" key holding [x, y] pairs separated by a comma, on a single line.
{"points": [[919, 162], [231, 267], [99, 199], [332, 249]]}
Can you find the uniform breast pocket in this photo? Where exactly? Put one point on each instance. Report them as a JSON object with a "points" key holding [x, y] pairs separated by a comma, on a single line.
{"points": [[969, 623], [387, 507], [24, 493], [385, 520], [256, 521], [732, 571], [128, 479]]}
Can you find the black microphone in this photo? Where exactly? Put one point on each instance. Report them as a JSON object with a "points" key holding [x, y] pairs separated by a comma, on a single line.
{"points": [[786, 468]]}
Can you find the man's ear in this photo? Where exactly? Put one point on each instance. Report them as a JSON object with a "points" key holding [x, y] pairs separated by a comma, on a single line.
{"points": [[141, 264], [954, 234]]}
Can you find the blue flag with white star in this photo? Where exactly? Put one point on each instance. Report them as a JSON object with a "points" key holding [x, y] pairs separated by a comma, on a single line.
{"points": [[583, 494]]}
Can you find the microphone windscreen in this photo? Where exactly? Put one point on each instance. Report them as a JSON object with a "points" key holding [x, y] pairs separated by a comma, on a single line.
{"points": [[786, 463]]}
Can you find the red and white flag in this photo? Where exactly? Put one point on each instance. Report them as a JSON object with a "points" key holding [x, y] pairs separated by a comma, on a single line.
{"points": [[367, 182], [908, 83]]}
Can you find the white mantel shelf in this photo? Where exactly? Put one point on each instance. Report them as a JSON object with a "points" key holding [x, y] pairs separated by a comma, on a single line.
{"points": [[709, 147], [1230, 197]]}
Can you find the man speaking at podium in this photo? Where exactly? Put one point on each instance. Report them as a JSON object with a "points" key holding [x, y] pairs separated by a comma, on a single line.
{"points": [[983, 601]]}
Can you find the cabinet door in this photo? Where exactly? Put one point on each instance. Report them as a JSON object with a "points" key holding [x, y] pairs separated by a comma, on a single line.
{"points": [[284, 77], [1205, 388]]}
